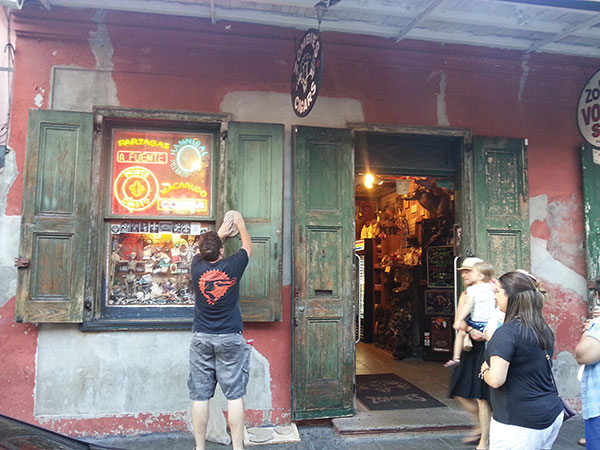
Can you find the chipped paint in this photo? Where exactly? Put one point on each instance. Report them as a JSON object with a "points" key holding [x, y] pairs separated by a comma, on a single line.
{"points": [[100, 43], [38, 99], [9, 226], [537, 208], [524, 75], [565, 370], [561, 217], [546, 266], [441, 114]]}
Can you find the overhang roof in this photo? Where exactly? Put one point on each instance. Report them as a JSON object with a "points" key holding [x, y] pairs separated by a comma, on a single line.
{"points": [[567, 27]]}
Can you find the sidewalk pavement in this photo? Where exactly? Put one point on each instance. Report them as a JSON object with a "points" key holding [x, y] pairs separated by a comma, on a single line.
{"points": [[323, 437]]}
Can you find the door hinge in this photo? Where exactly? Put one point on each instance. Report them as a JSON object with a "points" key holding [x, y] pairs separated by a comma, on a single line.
{"points": [[354, 388], [22, 262]]}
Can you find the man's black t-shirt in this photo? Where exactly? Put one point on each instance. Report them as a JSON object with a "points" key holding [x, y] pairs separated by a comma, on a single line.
{"points": [[217, 288], [527, 398]]}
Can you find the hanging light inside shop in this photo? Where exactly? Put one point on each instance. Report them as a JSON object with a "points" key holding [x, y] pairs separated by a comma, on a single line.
{"points": [[369, 180]]}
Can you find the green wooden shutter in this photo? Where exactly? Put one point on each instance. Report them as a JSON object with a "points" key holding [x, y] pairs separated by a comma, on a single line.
{"points": [[501, 203], [323, 361], [255, 188], [55, 218], [590, 163]]}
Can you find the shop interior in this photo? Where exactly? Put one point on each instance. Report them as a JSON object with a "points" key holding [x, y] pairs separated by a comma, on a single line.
{"points": [[405, 226]]}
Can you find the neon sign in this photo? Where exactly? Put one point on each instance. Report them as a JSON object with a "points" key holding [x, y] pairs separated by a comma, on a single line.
{"points": [[142, 157], [161, 173], [189, 156]]}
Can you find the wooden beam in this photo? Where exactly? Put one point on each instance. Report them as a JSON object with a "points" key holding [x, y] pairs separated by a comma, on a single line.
{"points": [[568, 32], [414, 22]]}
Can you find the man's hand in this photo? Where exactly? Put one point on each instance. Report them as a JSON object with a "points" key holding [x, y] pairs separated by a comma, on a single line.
{"points": [[238, 220]]}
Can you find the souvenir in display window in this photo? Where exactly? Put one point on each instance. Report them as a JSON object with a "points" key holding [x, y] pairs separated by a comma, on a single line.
{"points": [[150, 263]]}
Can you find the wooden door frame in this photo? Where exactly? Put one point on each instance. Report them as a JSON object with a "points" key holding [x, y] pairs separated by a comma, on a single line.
{"points": [[463, 203]]}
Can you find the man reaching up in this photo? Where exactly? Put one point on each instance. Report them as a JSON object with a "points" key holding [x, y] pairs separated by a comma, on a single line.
{"points": [[218, 351]]}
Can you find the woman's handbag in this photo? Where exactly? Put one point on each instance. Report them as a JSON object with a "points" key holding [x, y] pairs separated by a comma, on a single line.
{"points": [[567, 410]]}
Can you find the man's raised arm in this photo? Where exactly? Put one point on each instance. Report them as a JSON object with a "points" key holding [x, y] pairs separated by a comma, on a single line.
{"points": [[238, 220]]}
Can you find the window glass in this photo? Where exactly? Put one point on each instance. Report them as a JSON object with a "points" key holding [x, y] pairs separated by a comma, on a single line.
{"points": [[150, 263], [160, 173]]}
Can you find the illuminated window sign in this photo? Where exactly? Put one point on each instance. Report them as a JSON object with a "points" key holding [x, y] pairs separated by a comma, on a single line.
{"points": [[161, 173]]}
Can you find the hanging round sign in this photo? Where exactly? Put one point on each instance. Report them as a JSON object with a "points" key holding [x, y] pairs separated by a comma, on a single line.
{"points": [[588, 111], [306, 76]]}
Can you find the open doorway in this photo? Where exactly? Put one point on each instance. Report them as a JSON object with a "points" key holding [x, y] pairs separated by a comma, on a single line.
{"points": [[405, 192]]}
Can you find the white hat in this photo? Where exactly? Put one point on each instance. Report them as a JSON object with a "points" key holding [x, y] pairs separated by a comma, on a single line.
{"points": [[469, 262]]}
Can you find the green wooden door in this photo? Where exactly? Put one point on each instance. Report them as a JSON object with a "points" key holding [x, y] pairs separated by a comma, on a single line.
{"points": [[590, 163], [501, 198], [55, 219], [255, 188], [323, 334]]}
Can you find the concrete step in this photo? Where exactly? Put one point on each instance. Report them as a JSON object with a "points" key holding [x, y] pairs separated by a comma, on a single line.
{"points": [[402, 421]]}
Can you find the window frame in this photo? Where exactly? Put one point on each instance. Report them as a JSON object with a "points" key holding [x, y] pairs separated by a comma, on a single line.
{"points": [[97, 314]]}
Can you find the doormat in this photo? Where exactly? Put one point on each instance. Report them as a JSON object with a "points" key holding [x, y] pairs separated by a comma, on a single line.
{"points": [[388, 391]]}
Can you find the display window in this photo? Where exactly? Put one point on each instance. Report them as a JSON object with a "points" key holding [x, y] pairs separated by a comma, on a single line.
{"points": [[150, 263], [158, 205]]}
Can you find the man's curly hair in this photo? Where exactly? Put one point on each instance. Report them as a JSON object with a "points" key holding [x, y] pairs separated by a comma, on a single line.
{"points": [[210, 246]]}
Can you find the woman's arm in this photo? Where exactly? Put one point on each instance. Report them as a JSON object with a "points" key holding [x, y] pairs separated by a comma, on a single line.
{"points": [[494, 374], [587, 350], [475, 334], [464, 307]]}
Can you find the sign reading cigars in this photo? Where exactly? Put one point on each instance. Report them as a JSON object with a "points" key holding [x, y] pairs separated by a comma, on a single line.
{"points": [[588, 111], [157, 173], [306, 76]]}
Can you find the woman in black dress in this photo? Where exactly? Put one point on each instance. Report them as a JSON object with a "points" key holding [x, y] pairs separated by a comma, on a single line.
{"points": [[465, 385]]}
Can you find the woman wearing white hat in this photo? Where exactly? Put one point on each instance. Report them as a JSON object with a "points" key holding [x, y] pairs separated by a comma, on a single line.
{"points": [[465, 385]]}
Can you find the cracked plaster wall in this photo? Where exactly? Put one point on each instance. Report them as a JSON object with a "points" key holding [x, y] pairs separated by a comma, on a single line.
{"points": [[116, 373], [441, 114], [10, 227], [555, 257]]}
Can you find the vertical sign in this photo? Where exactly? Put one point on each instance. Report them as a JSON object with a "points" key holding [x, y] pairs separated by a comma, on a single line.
{"points": [[588, 111], [306, 76]]}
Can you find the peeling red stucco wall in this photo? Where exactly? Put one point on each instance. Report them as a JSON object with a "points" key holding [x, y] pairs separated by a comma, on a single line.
{"points": [[162, 62], [18, 345]]}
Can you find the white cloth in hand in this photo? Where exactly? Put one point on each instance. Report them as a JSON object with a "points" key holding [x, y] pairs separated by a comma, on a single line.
{"points": [[228, 225]]}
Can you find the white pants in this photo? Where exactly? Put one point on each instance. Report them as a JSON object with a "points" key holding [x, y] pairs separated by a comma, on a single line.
{"points": [[512, 437]]}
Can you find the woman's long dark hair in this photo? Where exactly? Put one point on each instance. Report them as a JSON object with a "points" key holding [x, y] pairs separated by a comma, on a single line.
{"points": [[525, 302]]}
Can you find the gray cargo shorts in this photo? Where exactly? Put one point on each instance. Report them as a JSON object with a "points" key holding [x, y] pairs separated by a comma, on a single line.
{"points": [[218, 357]]}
